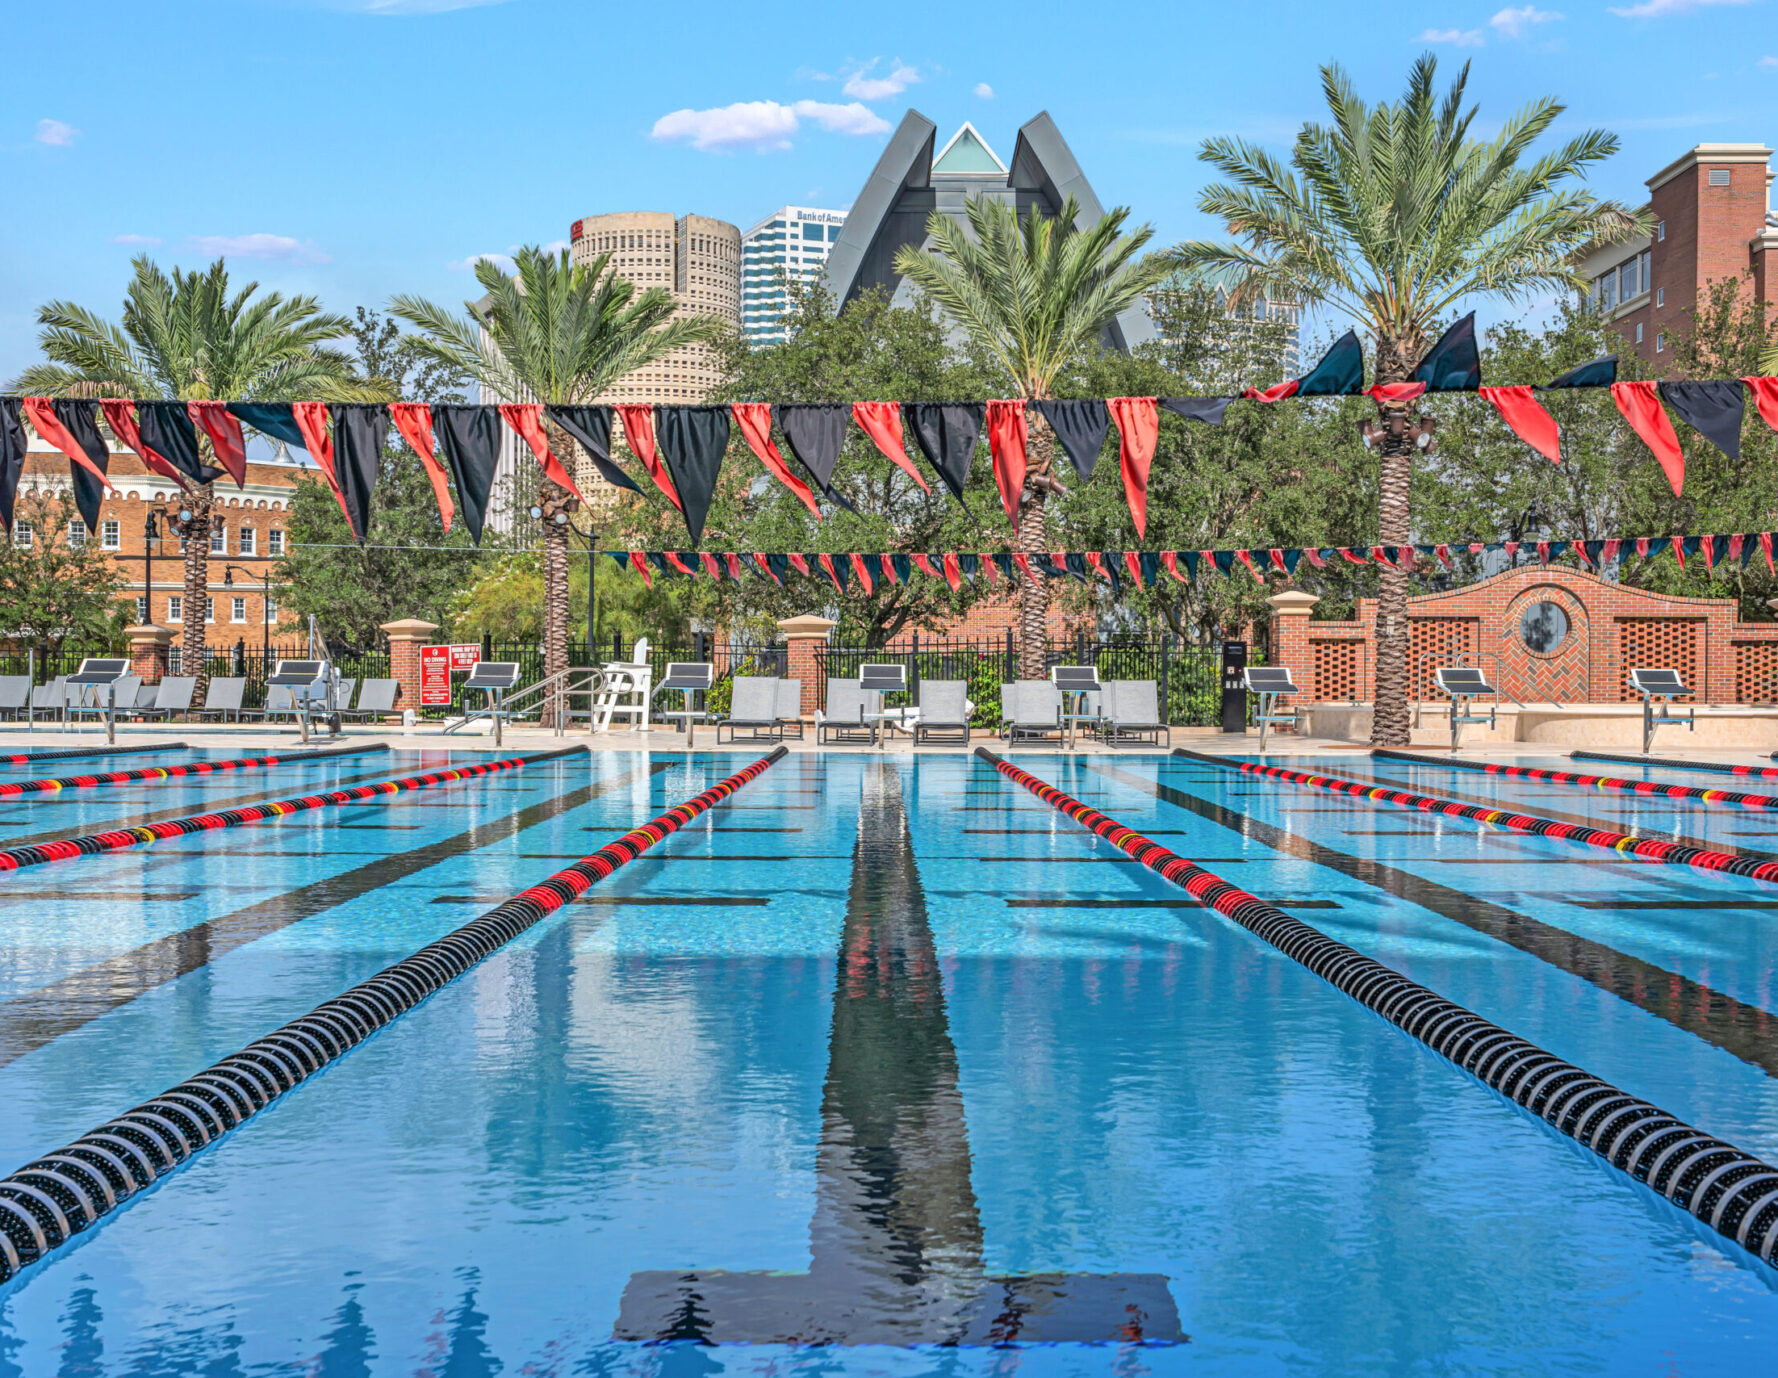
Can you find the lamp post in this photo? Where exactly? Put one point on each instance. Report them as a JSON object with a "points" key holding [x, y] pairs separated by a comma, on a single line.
{"points": [[151, 533]]}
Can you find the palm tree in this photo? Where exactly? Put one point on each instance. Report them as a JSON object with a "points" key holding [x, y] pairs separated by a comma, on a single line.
{"points": [[559, 333], [1390, 216], [1035, 294], [185, 338]]}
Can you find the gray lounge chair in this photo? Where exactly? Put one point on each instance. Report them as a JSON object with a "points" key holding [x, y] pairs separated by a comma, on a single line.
{"points": [[95, 698], [376, 697], [51, 700], [790, 707], [1131, 710], [944, 709], [843, 719], [280, 702], [145, 700], [223, 698], [1030, 708], [753, 709], [172, 695], [15, 693], [342, 695]]}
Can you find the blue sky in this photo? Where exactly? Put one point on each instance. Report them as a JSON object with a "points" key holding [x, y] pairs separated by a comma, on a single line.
{"points": [[355, 148]]}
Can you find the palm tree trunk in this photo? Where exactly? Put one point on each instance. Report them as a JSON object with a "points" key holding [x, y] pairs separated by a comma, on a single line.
{"points": [[200, 504], [1396, 358], [555, 594], [1034, 594]]}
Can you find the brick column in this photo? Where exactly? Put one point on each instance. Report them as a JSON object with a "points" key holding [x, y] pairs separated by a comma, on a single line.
{"points": [[804, 636], [406, 636], [1290, 635], [149, 647]]}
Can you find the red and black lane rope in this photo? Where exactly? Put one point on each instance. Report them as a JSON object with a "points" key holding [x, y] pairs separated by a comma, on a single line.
{"points": [[12, 789], [1648, 848], [122, 839], [50, 1200], [70, 753], [1712, 767], [1653, 788], [1728, 1189]]}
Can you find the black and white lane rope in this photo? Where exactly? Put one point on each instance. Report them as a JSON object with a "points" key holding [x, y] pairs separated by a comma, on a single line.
{"points": [[54, 1198], [1729, 1190]]}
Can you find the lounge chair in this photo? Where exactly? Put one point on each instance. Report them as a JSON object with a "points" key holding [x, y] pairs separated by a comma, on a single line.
{"points": [[1030, 708], [342, 695], [280, 702], [754, 709], [51, 700], [944, 709], [843, 718], [172, 695], [223, 697], [790, 707], [1130, 709], [96, 698], [376, 697], [15, 693]]}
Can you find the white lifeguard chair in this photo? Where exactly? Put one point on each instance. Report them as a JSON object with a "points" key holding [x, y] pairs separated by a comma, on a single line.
{"points": [[625, 690]]}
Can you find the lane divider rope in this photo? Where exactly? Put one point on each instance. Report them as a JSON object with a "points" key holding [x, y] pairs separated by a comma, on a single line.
{"points": [[1730, 1190], [1564, 777], [69, 753], [1648, 848], [1713, 767], [122, 839], [11, 789], [53, 1198]]}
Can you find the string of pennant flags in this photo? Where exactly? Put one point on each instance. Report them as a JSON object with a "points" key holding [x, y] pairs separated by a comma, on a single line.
{"points": [[682, 448], [865, 572]]}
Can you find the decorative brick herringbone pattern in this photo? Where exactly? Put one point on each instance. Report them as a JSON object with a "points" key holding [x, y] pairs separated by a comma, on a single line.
{"points": [[1659, 643], [1561, 675]]}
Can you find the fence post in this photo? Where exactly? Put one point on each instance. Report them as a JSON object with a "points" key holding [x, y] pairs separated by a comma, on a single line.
{"points": [[1011, 672], [1166, 666], [697, 647], [914, 669]]}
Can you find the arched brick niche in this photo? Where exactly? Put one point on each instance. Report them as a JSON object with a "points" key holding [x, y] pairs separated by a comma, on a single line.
{"points": [[1545, 646]]}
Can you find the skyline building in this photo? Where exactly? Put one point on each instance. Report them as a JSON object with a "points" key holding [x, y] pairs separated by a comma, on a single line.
{"points": [[788, 246]]}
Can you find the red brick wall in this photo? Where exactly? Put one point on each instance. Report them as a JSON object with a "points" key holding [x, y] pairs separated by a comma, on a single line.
{"points": [[1709, 232]]}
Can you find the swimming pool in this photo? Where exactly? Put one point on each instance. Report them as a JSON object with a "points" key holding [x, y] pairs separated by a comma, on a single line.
{"points": [[891, 1058]]}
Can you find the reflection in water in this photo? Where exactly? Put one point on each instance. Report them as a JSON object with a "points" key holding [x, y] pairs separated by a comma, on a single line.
{"points": [[351, 1344], [83, 1351], [896, 1242]]}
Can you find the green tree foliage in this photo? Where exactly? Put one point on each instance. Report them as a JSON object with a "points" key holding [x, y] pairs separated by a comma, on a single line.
{"points": [[399, 366], [53, 592], [506, 603]]}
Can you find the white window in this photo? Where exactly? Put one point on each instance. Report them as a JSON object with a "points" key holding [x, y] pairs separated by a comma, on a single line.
{"points": [[1719, 176], [110, 535], [1661, 343], [218, 539], [1627, 285], [1608, 291], [175, 608], [1661, 232], [22, 534], [249, 540], [1660, 296], [271, 610], [274, 543], [1647, 270], [76, 532], [1638, 332], [237, 610], [141, 608]]}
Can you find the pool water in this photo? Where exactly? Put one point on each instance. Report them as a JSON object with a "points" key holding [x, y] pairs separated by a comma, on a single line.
{"points": [[885, 1066]]}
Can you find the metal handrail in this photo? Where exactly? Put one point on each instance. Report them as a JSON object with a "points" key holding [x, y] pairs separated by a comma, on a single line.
{"points": [[561, 686]]}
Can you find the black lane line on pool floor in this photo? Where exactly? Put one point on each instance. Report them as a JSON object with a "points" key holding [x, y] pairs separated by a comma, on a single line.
{"points": [[44, 1204], [1728, 1189], [896, 1250], [30, 1020], [1744, 1030]]}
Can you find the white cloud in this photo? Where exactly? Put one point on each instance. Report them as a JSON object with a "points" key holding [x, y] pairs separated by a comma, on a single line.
{"points": [[985, 91], [501, 261], [1654, 9], [861, 85], [1457, 38], [146, 240], [277, 246], [1767, 62], [55, 133], [762, 125], [1513, 23], [555, 246]]}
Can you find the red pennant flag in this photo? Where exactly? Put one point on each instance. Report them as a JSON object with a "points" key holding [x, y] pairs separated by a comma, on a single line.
{"points": [[1314, 557], [311, 420], [639, 562], [1737, 544], [226, 441], [798, 563], [734, 565], [1543, 553], [638, 419], [679, 564], [1381, 555], [1138, 427], [1395, 392], [120, 415], [1678, 543], [1580, 549], [755, 421], [988, 566], [41, 411], [1476, 547], [1526, 418], [414, 421], [760, 560], [1023, 561], [1246, 558], [953, 571], [1097, 565], [527, 419], [1170, 563], [1006, 443], [1444, 554], [1642, 547], [1641, 406], [1765, 545], [826, 562], [1608, 552], [862, 571], [1276, 393], [1276, 555], [925, 563], [887, 564], [1133, 563], [1765, 397], [712, 566], [881, 421], [1708, 545], [1510, 547], [1353, 557]]}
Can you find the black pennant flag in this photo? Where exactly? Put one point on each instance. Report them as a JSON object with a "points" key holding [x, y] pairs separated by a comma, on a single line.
{"points": [[1209, 410], [1340, 372], [1601, 373], [816, 432], [359, 430], [1081, 426], [947, 433], [693, 440], [591, 426], [12, 456], [78, 420], [167, 430], [271, 418], [1454, 364], [470, 438], [1713, 409]]}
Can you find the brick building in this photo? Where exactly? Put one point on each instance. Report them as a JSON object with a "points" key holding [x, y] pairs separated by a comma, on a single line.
{"points": [[249, 534], [1713, 220]]}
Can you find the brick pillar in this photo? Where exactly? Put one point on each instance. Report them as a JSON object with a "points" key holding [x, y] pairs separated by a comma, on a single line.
{"points": [[405, 639], [149, 646], [804, 636], [1290, 635]]}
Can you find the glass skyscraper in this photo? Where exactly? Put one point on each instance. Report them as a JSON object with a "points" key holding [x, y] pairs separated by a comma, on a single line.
{"points": [[789, 245]]}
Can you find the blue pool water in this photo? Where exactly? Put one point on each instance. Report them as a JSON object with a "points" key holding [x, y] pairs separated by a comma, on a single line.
{"points": [[868, 1055]]}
